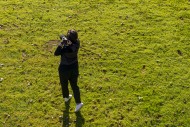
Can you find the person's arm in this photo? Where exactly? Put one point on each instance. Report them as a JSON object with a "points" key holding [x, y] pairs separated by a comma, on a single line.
{"points": [[65, 49], [58, 51], [75, 46]]}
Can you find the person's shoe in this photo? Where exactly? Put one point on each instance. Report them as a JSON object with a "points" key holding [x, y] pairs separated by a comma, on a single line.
{"points": [[78, 107], [67, 99]]}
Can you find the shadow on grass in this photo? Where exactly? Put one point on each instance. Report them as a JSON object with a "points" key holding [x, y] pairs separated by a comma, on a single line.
{"points": [[79, 119], [66, 119]]}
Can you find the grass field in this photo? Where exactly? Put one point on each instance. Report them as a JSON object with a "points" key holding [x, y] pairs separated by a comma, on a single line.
{"points": [[134, 63]]}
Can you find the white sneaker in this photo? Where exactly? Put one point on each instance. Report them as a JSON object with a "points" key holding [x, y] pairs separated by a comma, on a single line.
{"points": [[67, 99], [78, 107]]}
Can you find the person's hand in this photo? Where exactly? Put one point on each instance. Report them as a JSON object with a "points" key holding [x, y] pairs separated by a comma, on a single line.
{"points": [[64, 42], [69, 43]]}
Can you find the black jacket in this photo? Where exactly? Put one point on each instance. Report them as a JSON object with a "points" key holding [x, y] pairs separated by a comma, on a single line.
{"points": [[69, 54]]}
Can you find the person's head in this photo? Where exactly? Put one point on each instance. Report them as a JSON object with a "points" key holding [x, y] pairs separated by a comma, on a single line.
{"points": [[72, 35]]}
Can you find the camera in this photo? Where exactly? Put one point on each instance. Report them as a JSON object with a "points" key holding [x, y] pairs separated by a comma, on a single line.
{"points": [[65, 41], [63, 38]]}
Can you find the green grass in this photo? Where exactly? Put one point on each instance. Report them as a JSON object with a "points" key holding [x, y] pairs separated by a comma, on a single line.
{"points": [[134, 63]]}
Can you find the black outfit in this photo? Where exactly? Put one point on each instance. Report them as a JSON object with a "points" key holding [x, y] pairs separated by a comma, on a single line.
{"points": [[68, 69]]}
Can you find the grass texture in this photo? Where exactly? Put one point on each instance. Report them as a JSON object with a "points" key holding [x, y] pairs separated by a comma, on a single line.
{"points": [[134, 63]]}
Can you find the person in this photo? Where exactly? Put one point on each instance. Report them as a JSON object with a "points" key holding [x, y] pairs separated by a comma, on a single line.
{"points": [[68, 67]]}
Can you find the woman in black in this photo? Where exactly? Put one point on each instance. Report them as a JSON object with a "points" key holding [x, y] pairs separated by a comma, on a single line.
{"points": [[68, 68]]}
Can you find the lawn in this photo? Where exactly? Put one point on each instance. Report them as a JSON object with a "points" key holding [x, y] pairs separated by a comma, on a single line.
{"points": [[134, 63]]}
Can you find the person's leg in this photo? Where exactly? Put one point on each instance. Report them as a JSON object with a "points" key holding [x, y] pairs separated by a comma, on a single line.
{"points": [[64, 77], [73, 82]]}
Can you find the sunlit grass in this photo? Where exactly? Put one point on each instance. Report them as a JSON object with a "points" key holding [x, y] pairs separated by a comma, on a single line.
{"points": [[134, 62]]}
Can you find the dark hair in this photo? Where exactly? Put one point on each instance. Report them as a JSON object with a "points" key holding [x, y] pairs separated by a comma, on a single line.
{"points": [[72, 35]]}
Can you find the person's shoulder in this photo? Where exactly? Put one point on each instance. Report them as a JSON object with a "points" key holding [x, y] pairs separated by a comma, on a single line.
{"points": [[78, 41]]}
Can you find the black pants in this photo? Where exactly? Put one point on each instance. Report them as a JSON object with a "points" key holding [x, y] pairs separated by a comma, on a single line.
{"points": [[69, 74]]}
